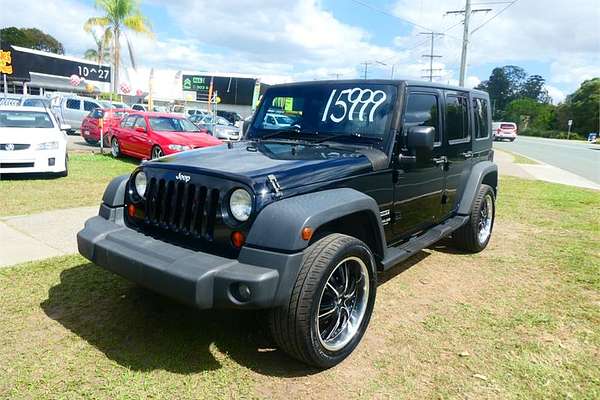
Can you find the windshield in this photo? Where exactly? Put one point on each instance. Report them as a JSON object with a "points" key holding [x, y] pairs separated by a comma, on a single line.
{"points": [[25, 119], [326, 111], [169, 124]]}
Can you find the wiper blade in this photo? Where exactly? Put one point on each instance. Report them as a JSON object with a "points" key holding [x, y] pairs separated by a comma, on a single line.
{"points": [[276, 133], [355, 136]]}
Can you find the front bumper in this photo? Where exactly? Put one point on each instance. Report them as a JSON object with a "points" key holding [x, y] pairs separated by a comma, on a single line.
{"points": [[32, 161], [191, 277]]}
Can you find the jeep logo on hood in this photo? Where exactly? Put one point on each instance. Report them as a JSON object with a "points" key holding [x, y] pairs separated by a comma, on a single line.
{"points": [[182, 177]]}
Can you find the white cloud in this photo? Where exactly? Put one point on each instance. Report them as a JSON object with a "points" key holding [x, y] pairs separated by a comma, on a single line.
{"points": [[556, 94], [563, 34]]}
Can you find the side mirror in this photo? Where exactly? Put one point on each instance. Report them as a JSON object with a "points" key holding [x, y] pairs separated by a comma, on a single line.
{"points": [[420, 137], [140, 129], [65, 127]]}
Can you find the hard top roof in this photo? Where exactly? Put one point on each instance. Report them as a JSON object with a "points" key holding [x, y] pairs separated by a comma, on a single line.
{"points": [[396, 82]]}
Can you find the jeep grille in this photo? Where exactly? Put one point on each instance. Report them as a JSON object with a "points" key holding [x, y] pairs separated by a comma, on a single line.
{"points": [[182, 208]]}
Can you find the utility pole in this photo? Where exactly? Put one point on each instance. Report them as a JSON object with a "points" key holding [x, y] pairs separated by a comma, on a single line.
{"points": [[465, 42], [337, 75], [366, 64], [431, 56]]}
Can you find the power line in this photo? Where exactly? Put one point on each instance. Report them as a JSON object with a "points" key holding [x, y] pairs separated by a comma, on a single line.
{"points": [[379, 10], [494, 16]]}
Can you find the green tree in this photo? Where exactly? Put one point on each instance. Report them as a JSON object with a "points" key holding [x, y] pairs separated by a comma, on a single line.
{"points": [[533, 88], [119, 16], [530, 113], [583, 107], [31, 38], [503, 86]]}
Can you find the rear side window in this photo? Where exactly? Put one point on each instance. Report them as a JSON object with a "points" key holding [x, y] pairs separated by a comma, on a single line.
{"points": [[128, 122], [73, 104], [457, 118], [89, 106], [480, 113], [422, 110], [140, 123]]}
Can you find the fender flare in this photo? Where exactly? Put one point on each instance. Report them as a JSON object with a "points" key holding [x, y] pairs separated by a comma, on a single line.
{"points": [[279, 225], [114, 194], [482, 172]]}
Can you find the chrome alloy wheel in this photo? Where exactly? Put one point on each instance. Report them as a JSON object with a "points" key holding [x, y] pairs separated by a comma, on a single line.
{"points": [[343, 303], [157, 152], [114, 148], [486, 215]]}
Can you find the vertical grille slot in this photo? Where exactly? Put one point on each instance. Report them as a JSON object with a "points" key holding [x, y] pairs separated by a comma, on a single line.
{"points": [[181, 208]]}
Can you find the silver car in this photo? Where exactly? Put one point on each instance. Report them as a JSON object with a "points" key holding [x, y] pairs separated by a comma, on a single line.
{"points": [[71, 110], [219, 127]]}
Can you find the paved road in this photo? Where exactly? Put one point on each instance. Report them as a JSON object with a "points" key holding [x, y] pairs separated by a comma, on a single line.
{"points": [[577, 157]]}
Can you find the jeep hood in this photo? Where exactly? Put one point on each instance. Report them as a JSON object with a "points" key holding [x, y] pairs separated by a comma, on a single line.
{"points": [[292, 164]]}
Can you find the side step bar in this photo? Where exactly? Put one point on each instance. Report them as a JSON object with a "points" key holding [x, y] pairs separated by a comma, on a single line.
{"points": [[397, 254]]}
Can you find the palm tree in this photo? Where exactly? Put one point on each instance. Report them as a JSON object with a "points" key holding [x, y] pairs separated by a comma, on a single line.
{"points": [[120, 15], [102, 50]]}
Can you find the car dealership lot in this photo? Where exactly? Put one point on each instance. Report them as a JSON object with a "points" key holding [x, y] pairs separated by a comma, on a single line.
{"points": [[447, 325]]}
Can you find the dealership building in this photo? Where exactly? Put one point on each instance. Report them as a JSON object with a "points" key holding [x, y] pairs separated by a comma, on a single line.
{"points": [[34, 72], [27, 71]]}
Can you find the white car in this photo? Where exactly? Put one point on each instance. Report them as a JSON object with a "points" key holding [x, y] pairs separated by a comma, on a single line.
{"points": [[504, 130], [32, 141]]}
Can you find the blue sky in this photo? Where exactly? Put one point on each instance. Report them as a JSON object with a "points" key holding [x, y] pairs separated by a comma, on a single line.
{"points": [[314, 39]]}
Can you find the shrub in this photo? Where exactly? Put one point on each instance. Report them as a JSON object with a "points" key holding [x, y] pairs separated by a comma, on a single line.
{"points": [[551, 134]]}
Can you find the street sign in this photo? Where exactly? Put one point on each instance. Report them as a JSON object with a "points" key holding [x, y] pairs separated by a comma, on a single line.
{"points": [[570, 123]]}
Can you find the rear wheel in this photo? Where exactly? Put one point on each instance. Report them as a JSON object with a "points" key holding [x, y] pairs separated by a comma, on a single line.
{"points": [[331, 303], [115, 148], [475, 235], [156, 152]]}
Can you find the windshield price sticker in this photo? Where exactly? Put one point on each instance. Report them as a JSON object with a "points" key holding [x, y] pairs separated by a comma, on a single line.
{"points": [[348, 101]]}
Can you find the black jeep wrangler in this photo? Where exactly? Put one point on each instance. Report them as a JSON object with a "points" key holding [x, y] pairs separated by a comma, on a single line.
{"points": [[334, 182]]}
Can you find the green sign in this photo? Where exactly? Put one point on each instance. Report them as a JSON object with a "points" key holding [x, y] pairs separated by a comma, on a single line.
{"points": [[195, 82]]}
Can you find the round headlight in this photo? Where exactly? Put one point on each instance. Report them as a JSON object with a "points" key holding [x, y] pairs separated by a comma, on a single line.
{"points": [[240, 204], [140, 183]]}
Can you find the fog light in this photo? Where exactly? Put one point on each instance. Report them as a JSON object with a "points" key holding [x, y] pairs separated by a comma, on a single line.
{"points": [[243, 292], [51, 162]]}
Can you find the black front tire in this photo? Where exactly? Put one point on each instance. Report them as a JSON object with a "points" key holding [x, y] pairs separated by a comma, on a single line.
{"points": [[295, 326], [475, 235]]}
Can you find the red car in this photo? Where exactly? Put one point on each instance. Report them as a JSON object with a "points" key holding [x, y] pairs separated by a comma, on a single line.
{"points": [[151, 135], [90, 127]]}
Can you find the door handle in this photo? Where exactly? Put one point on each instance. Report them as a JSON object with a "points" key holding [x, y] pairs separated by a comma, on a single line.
{"points": [[467, 154], [440, 160]]}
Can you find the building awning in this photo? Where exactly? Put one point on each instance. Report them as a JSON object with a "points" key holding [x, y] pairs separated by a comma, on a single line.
{"points": [[62, 83]]}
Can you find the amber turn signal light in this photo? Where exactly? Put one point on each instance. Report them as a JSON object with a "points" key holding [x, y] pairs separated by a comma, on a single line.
{"points": [[238, 239], [307, 233]]}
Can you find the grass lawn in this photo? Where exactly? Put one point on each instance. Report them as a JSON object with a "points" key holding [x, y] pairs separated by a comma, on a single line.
{"points": [[88, 176], [519, 321]]}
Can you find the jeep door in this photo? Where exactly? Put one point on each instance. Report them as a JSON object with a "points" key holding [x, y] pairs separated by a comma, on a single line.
{"points": [[419, 185], [457, 146]]}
